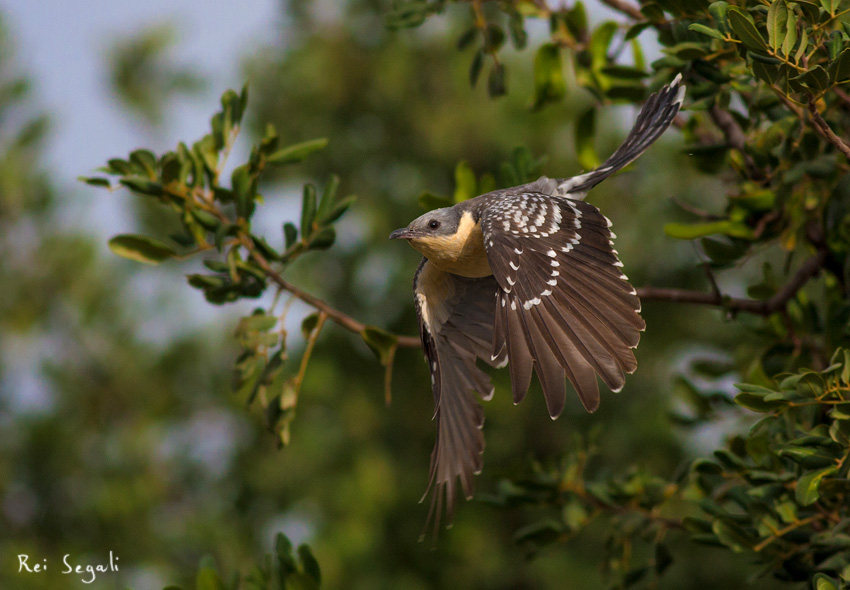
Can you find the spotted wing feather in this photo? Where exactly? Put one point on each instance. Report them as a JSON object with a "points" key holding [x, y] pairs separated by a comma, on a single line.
{"points": [[563, 305]]}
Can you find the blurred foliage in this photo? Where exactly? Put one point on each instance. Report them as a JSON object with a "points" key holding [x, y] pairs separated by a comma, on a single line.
{"points": [[143, 76], [777, 494], [117, 432], [280, 570]]}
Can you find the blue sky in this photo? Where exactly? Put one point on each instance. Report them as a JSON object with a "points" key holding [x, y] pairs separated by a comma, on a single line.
{"points": [[62, 45]]}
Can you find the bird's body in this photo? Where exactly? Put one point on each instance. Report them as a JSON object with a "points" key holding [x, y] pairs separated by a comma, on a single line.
{"points": [[526, 276]]}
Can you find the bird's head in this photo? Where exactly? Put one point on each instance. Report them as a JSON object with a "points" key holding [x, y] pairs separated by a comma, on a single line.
{"points": [[451, 239], [438, 224]]}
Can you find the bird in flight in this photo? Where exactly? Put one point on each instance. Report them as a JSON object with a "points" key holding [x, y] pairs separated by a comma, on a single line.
{"points": [[525, 276]]}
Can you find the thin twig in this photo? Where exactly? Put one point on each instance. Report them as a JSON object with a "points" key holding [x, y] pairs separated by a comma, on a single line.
{"points": [[308, 351], [807, 271], [735, 139], [687, 207], [823, 127], [342, 319], [625, 7], [784, 531]]}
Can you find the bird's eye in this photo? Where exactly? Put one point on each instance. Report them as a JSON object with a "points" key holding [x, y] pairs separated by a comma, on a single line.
{"points": [[433, 224]]}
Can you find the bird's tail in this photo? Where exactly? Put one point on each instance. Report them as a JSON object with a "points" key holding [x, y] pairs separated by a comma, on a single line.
{"points": [[654, 118]]}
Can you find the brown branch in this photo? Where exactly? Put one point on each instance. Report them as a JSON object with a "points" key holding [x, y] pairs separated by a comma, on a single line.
{"points": [[340, 318], [687, 207], [808, 270], [625, 7], [825, 130], [735, 138], [308, 351]]}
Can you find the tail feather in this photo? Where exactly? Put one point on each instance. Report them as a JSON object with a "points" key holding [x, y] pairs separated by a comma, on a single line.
{"points": [[654, 118]]}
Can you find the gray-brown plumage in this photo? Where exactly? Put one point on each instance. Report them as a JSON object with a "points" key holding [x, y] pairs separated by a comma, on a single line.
{"points": [[526, 276]]}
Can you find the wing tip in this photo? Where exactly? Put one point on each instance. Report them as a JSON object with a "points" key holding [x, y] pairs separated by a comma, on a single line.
{"points": [[680, 89]]}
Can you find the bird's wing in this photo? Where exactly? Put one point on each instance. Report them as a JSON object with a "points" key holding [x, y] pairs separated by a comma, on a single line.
{"points": [[564, 307], [456, 325], [654, 118]]}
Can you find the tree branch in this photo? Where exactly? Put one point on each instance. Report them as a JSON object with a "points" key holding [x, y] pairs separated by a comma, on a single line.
{"points": [[735, 138], [808, 270], [823, 127], [625, 7], [340, 318]]}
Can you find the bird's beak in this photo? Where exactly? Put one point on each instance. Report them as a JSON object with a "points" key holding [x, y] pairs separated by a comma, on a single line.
{"points": [[402, 234]]}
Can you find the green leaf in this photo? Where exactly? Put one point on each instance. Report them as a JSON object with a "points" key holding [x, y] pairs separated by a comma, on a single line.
{"points": [[311, 566], [540, 533], [791, 34], [777, 20], [265, 248], [298, 152], [723, 251], [143, 186], [308, 210], [141, 248], [496, 85], [807, 491], [719, 11], [206, 219], [322, 239], [494, 37], [475, 67], [663, 558], [624, 72], [208, 578], [576, 20], [821, 581], [118, 166], [309, 324], [338, 210], [516, 25], [706, 467], [809, 457], [585, 132], [465, 183], [682, 231], [283, 550], [257, 322], [688, 51], [290, 234], [328, 197], [816, 78], [636, 29], [839, 69], [145, 162], [829, 5], [95, 181], [755, 402], [206, 151], [732, 535], [549, 83], [600, 41], [699, 28], [244, 186], [744, 28], [380, 341]]}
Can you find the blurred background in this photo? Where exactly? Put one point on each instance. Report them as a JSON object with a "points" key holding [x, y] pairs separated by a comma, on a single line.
{"points": [[118, 430]]}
